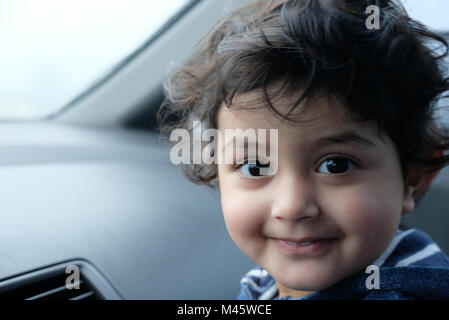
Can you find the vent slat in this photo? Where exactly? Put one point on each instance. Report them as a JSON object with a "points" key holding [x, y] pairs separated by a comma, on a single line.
{"points": [[47, 293], [51, 283], [52, 292], [83, 296]]}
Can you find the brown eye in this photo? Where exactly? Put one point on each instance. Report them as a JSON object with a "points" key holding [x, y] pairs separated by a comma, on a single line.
{"points": [[336, 165], [252, 169]]}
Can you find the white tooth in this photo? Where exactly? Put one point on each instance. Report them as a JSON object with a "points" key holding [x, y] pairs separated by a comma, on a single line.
{"points": [[292, 243], [305, 244]]}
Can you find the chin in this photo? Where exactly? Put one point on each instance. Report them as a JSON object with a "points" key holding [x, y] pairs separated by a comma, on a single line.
{"points": [[308, 282]]}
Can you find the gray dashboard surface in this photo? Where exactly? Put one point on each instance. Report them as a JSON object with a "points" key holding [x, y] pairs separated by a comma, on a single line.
{"points": [[113, 198]]}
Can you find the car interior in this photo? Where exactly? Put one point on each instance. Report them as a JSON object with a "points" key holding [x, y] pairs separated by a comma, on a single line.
{"points": [[91, 185]]}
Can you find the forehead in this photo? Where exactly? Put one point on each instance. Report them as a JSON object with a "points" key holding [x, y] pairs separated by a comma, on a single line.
{"points": [[318, 116]]}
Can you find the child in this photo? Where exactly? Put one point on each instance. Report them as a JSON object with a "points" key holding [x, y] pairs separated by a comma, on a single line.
{"points": [[354, 106]]}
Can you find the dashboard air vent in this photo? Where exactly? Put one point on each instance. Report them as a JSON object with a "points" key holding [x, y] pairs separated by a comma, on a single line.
{"points": [[76, 280]]}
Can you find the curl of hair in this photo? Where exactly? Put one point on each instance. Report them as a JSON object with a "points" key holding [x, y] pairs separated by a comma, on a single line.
{"points": [[394, 74]]}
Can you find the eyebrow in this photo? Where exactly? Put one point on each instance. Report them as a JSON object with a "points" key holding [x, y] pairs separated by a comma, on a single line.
{"points": [[346, 137]]}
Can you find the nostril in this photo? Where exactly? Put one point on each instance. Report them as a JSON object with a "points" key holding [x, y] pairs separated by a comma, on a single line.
{"points": [[308, 212], [294, 201], [295, 217]]}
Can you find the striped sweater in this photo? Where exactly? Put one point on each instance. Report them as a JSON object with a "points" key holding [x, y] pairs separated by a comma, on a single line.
{"points": [[412, 267]]}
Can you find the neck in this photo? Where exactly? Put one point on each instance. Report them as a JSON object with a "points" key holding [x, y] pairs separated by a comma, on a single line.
{"points": [[284, 291]]}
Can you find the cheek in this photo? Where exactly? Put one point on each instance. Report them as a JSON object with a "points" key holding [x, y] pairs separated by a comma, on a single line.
{"points": [[244, 216], [370, 216]]}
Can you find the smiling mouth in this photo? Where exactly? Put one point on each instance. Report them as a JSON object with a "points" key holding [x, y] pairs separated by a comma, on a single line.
{"points": [[296, 243], [306, 246], [306, 240]]}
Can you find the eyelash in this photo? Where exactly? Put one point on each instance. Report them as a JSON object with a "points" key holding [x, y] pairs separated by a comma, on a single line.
{"points": [[334, 156], [245, 162], [340, 156]]}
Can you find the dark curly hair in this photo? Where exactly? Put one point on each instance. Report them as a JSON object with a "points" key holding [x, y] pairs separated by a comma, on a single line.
{"points": [[394, 74]]}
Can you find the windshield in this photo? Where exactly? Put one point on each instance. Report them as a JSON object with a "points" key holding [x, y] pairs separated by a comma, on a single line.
{"points": [[52, 50]]}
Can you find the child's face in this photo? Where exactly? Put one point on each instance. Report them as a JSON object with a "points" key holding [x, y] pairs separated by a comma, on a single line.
{"points": [[349, 193]]}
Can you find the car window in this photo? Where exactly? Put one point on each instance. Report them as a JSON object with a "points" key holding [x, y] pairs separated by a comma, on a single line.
{"points": [[432, 13], [53, 50]]}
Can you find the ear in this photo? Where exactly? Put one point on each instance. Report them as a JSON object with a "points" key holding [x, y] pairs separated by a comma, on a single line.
{"points": [[417, 182]]}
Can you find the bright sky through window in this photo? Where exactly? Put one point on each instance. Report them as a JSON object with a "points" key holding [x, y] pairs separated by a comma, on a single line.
{"points": [[52, 50]]}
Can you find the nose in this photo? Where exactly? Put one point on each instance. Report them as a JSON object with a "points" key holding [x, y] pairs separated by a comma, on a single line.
{"points": [[295, 199]]}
